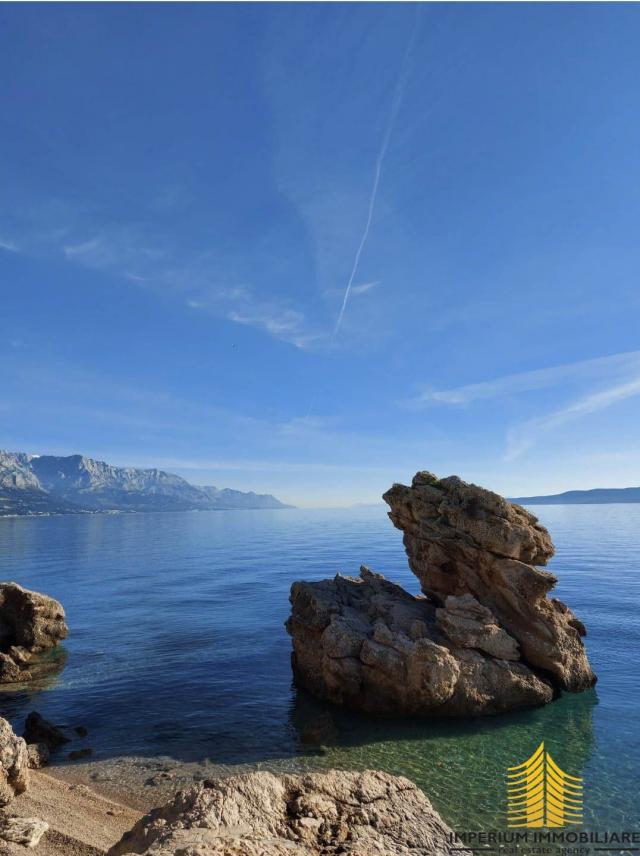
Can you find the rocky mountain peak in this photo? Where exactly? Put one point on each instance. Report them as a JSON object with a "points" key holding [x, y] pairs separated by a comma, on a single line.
{"points": [[54, 484]]}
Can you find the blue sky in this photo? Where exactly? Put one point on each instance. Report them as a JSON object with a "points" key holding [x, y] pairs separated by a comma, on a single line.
{"points": [[310, 249]]}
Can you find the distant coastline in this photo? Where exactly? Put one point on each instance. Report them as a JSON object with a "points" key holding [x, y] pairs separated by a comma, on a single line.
{"points": [[596, 496], [45, 485]]}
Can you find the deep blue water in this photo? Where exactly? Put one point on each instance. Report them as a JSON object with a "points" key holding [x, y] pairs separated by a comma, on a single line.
{"points": [[177, 647]]}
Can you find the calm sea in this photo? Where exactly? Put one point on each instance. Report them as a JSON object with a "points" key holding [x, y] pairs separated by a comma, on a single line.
{"points": [[177, 647]]}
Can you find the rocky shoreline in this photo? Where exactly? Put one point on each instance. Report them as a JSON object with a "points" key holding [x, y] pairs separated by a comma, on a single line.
{"points": [[66, 812]]}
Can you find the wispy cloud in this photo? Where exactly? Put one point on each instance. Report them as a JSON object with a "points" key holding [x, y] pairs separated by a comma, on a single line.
{"points": [[9, 246], [92, 250], [361, 288], [522, 437], [241, 306], [200, 278], [616, 365], [121, 251], [285, 324], [364, 287], [616, 377]]}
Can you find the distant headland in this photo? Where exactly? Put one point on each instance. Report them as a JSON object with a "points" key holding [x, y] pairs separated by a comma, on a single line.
{"points": [[599, 495], [75, 484]]}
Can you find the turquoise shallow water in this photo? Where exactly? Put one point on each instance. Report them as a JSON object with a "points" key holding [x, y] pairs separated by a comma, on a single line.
{"points": [[177, 647]]}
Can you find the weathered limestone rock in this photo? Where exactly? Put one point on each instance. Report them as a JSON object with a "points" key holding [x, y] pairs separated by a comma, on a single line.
{"points": [[483, 639], [22, 830], [14, 764], [368, 644], [259, 814], [468, 624], [38, 754], [462, 539], [30, 623]]}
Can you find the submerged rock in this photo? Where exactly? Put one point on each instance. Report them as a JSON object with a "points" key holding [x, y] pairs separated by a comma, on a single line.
{"points": [[79, 754], [482, 639], [14, 764], [260, 814], [319, 730], [37, 729], [30, 623]]}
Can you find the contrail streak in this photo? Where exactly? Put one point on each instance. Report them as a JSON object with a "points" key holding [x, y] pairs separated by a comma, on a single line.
{"points": [[377, 172]]}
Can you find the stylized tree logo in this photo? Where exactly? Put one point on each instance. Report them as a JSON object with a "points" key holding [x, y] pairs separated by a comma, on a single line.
{"points": [[540, 794]]}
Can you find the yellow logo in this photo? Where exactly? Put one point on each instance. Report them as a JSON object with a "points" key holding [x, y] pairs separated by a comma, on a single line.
{"points": [[539, 793]]}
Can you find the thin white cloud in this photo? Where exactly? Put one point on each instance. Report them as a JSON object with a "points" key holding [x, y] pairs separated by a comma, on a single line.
{"points": [[9, 246], [287, 321], [130, 255], [198, 278], [361, 288], [523, 437], [364, 287], [86, 249], [618, 365], [283, 323], [124, 251]]}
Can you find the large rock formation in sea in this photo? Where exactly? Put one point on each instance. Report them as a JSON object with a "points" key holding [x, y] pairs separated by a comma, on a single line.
{"points": [[30, 623], [483, 638], [14, 764], [260, 814], [52, 484]]}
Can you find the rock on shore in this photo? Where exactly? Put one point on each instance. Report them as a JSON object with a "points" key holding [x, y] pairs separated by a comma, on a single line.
{"points": [[14, 764], [30, 623], [483, 639], [260, 814]]}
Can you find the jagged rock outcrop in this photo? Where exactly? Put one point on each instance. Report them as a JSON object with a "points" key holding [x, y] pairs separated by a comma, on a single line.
{"points": [[30, 623], [482, 639], [14, 764], [260, 814], [367, 643], [464, 540]]}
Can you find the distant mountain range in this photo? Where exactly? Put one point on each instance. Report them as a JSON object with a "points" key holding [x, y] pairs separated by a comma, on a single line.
{"points": [[49, 484], [599, 495]]}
